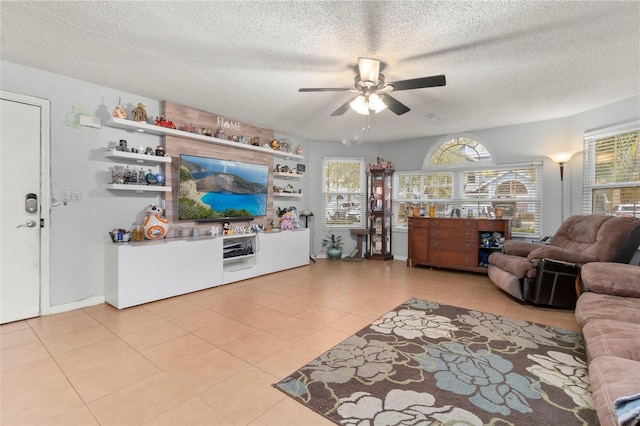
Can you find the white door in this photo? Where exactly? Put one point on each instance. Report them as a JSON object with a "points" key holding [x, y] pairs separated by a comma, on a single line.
{"points": [[24, 202]]}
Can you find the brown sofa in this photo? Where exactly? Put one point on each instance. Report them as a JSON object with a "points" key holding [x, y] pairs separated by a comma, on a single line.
{"points": [[609, 313], [545, 273]]}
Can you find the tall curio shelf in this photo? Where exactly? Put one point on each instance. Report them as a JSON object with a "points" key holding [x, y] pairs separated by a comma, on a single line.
{"points": [[379, 213]]}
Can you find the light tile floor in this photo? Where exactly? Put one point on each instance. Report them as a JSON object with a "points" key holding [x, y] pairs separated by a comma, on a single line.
{"points": [[210, 357]]}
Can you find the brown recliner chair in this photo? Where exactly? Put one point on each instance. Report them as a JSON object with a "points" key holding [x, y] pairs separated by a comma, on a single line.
{"points": [[545, 274]]}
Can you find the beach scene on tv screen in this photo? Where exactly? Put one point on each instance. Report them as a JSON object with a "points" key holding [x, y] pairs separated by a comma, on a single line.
{"points": [[212, 188]]}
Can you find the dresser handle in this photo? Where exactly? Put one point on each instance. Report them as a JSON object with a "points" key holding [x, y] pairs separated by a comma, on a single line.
{"points": [[467, 234], [436, 243], [437, 233], [437, 256], [467, 246]]}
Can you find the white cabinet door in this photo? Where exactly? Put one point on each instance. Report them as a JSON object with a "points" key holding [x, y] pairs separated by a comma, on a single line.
{"points": [[137, 274], [278, 251], [199, 264]]}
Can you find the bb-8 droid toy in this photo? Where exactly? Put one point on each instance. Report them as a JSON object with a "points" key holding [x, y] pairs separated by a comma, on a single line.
{"points": [[155, 226]]}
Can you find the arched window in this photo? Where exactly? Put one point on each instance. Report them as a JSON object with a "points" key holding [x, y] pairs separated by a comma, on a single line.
{"points": [[460, 150], [459, 173]]}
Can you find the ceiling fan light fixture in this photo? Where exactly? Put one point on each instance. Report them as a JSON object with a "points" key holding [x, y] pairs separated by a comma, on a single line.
{"points": [[375, 103], [360, 105], [369, 70]]}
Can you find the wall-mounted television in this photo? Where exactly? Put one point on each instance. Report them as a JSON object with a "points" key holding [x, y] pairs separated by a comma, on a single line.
{"points": [[213, 189]]}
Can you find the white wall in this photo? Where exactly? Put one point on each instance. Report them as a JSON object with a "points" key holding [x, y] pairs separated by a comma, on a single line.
{"points": [[510, 144], [79, 230]]}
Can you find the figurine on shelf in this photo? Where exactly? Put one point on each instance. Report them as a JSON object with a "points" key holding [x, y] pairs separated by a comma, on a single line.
{"points": [[286, 222], [275, 144], [163, 122], [226, 229], [380, 164], [119, 112], [155, 225], [220, 134], [299, 150], [139, 113]]}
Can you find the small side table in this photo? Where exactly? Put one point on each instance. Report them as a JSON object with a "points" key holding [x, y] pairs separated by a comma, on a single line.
{"points": [[357, 256]]}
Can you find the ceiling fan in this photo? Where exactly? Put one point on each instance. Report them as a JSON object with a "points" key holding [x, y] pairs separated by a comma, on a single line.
{"points": [[373, 91]]}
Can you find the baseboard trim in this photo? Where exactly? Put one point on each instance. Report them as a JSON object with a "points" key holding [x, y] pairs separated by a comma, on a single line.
{"points": [[76, 305]]}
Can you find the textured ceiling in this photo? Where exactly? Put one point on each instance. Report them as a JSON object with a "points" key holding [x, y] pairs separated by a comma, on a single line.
{"points": [[505, 62]]}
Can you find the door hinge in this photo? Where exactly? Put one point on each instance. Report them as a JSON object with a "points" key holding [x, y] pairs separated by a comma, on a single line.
{"points": [[41, 223]]}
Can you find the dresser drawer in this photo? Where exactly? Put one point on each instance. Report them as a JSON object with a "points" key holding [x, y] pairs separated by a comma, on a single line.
{"points": [[453, 223], [452, 245], [489, 225], [448, 258], [452, 234]]}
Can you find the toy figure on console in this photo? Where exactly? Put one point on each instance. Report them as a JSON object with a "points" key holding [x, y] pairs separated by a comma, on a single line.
{"points": [[286, 221], [226, 229], [155, 225]]}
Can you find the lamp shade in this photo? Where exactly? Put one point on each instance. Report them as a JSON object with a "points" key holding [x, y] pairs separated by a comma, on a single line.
{"points": [[561, 157], [362, 104], [359, 105], [375, 103]]}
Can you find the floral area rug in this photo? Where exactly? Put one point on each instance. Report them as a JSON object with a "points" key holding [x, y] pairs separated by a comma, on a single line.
{"points": [[429, 364]]}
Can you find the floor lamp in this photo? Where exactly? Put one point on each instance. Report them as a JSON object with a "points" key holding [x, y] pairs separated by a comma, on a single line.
{"points": [[307, 214], [561, 158]]}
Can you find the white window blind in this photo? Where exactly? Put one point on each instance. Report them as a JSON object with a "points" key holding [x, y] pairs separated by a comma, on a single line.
{"points": [[343, 192], [516, 188], [611, 171]]}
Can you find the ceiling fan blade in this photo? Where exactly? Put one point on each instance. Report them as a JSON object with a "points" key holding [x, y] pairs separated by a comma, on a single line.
{"points": [[369, 69], [343, 108], [394, 105], [419, 83], [323, 89]]}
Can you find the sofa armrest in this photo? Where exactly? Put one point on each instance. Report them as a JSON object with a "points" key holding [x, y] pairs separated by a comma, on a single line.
{"points": [[616, 279], [519, 248], [561, 254]]}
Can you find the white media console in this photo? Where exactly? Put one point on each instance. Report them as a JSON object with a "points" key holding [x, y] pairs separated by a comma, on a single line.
{"points": [[138, 273]]}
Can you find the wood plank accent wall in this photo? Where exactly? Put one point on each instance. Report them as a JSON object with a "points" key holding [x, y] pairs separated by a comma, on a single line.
{"points": [[181, 115], [174, 146]]}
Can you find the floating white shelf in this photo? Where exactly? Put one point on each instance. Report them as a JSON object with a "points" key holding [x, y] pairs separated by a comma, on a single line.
{"points": [[137, 158], [136, 126], [287, 195], [138, 188], [287, 175]]}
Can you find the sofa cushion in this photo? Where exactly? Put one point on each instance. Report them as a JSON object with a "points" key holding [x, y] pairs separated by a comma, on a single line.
{"points": [[563, 255], [616, 279], [593, 235], [518, 266], [593, 305], [612, 378], [519, 248], [606, 337]]}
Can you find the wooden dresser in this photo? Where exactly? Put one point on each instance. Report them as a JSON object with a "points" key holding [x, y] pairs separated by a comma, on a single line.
{"points": [[454, 243]]}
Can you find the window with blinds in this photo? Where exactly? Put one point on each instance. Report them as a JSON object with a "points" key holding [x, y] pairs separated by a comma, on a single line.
{"points": [[517, 189], [612, 171], [343, 192]]}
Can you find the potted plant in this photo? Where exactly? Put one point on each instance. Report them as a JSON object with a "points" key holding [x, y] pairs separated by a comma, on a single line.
{"points": [[333, 243]]}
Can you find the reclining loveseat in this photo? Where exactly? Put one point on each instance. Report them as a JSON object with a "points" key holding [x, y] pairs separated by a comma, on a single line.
{"points": [[545, 274]]}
